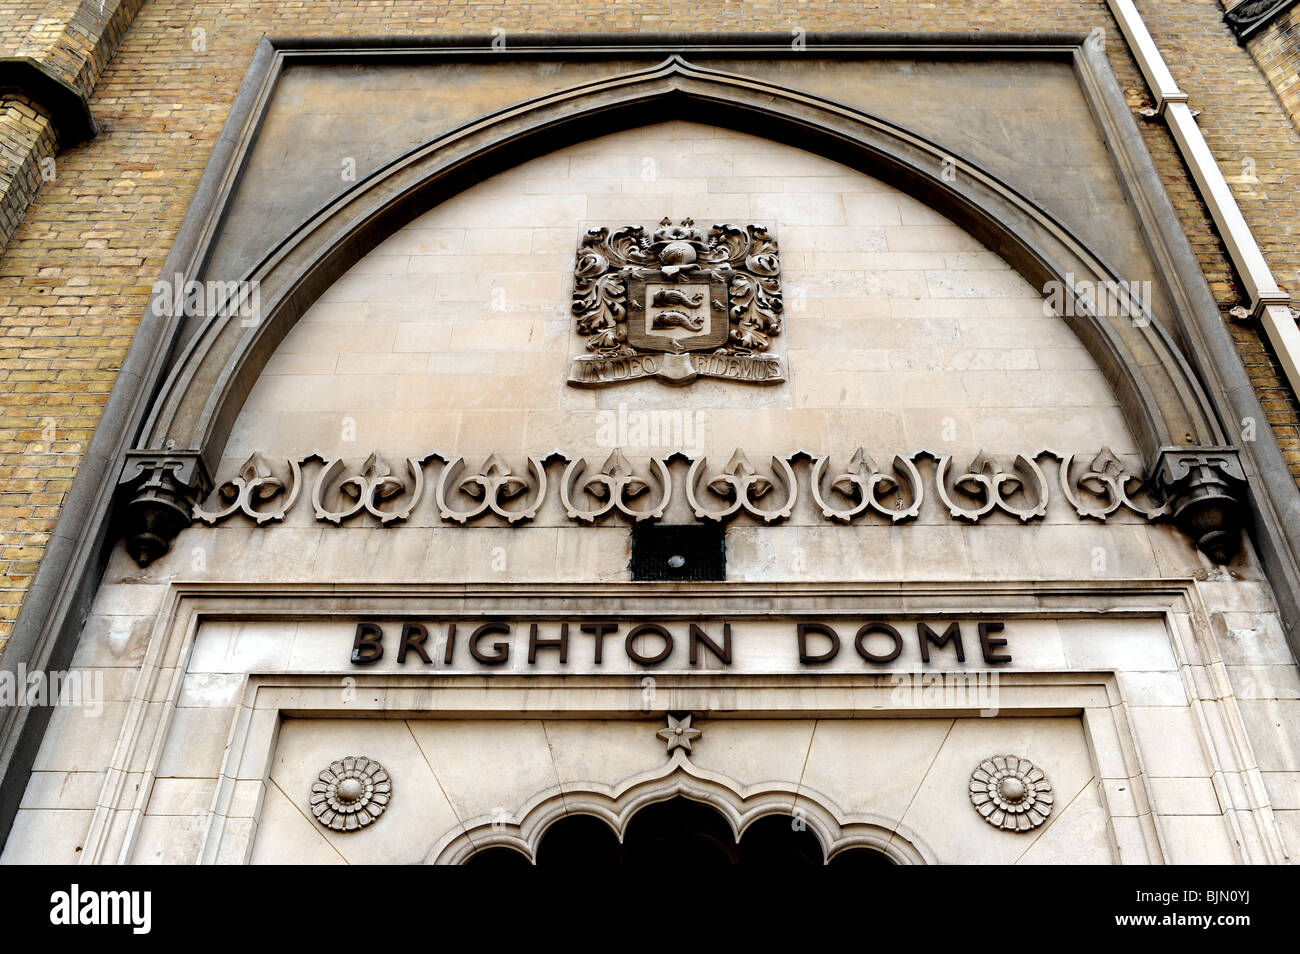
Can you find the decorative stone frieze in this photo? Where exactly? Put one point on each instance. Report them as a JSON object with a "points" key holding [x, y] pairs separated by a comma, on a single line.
{"points": [[161, 489], [351, 793], [992, 486], [1199, 489], [677, 304], [1010, 793], [491, 486], [368, 489], [742, 487], [253, 487], [616, 486], [861, 486], [1107, 478]]}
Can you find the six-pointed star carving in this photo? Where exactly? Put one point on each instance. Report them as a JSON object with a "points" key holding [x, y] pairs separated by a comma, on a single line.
{"points": [[679, 733]]}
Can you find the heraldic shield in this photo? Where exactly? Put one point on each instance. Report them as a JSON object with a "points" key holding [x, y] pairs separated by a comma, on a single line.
{"points": [[677, 304]]}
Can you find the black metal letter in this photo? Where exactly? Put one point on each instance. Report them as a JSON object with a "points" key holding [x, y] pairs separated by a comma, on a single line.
{"points": [[990, 646], [413, 637], [865, 631], [803, 629], [654, 629], [367, 647], [599, 631], [723, 652], [500, 649], [925, 636], [562, 643]]}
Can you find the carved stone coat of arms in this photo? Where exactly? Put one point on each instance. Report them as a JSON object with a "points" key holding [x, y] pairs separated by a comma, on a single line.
{"points": [[677, 304]]}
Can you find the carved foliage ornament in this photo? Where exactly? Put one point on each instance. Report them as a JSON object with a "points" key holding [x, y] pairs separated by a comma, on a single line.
{"points": [[351, 793], [1010, 793], [676, 304], [1198, 489]]}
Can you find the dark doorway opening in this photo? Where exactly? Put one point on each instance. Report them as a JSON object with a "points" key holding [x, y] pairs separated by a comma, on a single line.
{"points": [[679, 834]]}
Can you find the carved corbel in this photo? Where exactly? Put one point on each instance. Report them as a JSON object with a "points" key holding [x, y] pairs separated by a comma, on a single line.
{"points": [[160, 489], [862, 484], [743, 486], [1204, 489], [616, 485]]}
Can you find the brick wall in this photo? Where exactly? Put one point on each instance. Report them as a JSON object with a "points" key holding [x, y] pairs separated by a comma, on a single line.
{"points": [[77, 271], [1276, 49]]}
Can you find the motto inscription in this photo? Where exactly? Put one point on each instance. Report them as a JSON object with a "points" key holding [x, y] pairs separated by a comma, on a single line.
{"points": [[677, 304]]}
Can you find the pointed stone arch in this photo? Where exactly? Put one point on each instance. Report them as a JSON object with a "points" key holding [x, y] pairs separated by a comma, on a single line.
{"points": [[191, 416], [739, 805]]}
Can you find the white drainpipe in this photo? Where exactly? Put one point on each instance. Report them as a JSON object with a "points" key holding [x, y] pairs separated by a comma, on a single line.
{"points": [[1267, 302]]}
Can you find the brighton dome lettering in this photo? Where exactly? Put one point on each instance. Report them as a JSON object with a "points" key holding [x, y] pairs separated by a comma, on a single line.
{"points": [[711, 644]]}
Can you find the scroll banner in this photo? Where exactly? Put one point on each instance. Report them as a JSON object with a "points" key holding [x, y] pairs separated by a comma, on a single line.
{"points": [[676, 368]]}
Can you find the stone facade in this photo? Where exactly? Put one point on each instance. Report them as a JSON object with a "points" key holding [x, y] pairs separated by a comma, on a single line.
{"points": [[218, 648], [146, 159]]}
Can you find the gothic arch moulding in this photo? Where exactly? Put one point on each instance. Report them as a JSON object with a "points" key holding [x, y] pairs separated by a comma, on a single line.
{"points": [[191, 417], [739, 805]]}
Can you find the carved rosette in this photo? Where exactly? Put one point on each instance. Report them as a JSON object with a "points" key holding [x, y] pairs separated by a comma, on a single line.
{"points": [[677, 303], [1010, 793], [351, 793]]}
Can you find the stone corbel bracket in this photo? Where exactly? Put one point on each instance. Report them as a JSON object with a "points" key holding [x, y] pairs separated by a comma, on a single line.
{"points": [[160, 490], [1204, 490], [1249, 17]]}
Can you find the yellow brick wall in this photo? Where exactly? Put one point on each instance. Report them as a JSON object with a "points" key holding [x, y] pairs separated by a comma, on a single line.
{"points": [[27, 148], [77, 272], [1276, 48]]}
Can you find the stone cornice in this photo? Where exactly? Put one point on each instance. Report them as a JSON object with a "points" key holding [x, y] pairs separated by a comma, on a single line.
{"points": [[1249, 17], [68, 109]]}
